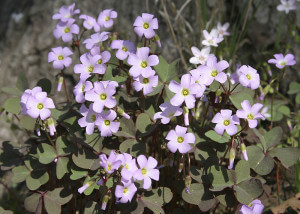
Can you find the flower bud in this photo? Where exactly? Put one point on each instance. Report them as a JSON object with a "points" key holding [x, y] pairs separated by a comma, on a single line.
{"points": [[84, 187], [157, 40], [38, 130], [180, 167], [244, 151], [289, 123], [188, 182], [231, 158], [51, 126], [186, 116], [122, 112], [100, 182], [60, 82], [218, 92], [104, 202]]}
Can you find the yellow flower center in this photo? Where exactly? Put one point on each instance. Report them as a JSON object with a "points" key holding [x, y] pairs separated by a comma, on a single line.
{"points": [[146, 25], [124, 49], [60, 57], [109, 167], [171, 114], [214, 73], [226, 122], [99, 61], [93, 117], [90, 69], [248, 76], [211, 41], [180, 139], [103, 96], [250, 116], [107, 122], [126, 166], [282, 63], [82, 88], [67, 30], [107, 18], [144, 171], [145, 80], [40, 106], [125, 190], [185, 92], [144, 64]]}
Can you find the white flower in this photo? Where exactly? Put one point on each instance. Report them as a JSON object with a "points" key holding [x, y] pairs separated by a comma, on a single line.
{"points": [[222, 29], [212, 38], [286, 5], [200, 57]]}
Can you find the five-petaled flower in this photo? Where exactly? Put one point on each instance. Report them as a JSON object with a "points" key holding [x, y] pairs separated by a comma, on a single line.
{"points": [[105, 18], [249, 77], [250, 113], [60, 57], [65, 30], [281, 61], [226, 121], [255, 207], [145, 25]]}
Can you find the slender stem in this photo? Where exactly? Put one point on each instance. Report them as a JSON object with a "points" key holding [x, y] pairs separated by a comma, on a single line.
{"points": [[143, 101], [234, 87], [49, 138], [205, 116], [65, 86], [277, 181], [13, 195]]}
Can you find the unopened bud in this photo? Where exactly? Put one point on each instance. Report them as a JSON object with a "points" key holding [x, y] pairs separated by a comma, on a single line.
{"points": [[60, 82], [51, 126], [289, 123], [100, 182], [180, 167], [244, 151], [38, 130], [218, 92], [122, 113], [231, 158], [157, 40], [186, 116], [104, 202], [84, 187]]}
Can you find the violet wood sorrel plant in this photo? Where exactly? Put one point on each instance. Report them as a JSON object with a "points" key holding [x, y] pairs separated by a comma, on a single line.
{"points": [[136, 135]]}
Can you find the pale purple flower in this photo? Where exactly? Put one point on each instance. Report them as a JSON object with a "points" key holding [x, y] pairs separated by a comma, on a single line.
{"points": [[286, 5], [124, 48], [38, 105], [180, 140], [212, 38], [213, 70], [125, 192], [26, 95], [89, 119], [105, 18], [106, 123], [111, 163], [129, 167], [141, 62], [51, 126], [250, 113], [281, 61], [60, 57], [198, 78], [95, 39], [147, 170], [200, 57], [84, 187], [82, 87], [146, 82], [168, 112], [226, 121], [255, 207], [249, 77], [185, 91], [65, 30], [90, 22], [145, 25], [222, 29], [264, 112], [90, 64], [101, 96], [66, 12]]}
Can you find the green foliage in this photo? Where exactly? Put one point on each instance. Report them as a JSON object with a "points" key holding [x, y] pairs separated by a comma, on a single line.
{"points": [[12, 105], [45, 84], [240, 94], [216, 137], [165, 71]]}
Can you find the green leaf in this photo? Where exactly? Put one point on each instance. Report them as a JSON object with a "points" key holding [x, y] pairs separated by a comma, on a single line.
{"points": [[95, 141], [126, 128], [86, 159], [240, 94], [62, 167], [45, 84], [53, 200], [165, 71], [297, 99], [93, 207], [261, 163], [271, 138], [46, 153], [216, 137], [242, 171], [77, 173], [156, 198], [36, 179], [294, 88], [144, 126], [22, 83], [28, 122], [133, 147], [247, 191], [12, 105], [284, 110], [287, 156], [196, 194], [33, 203], [220, 178], [12, 91], [63, 146], [20, 173]]}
